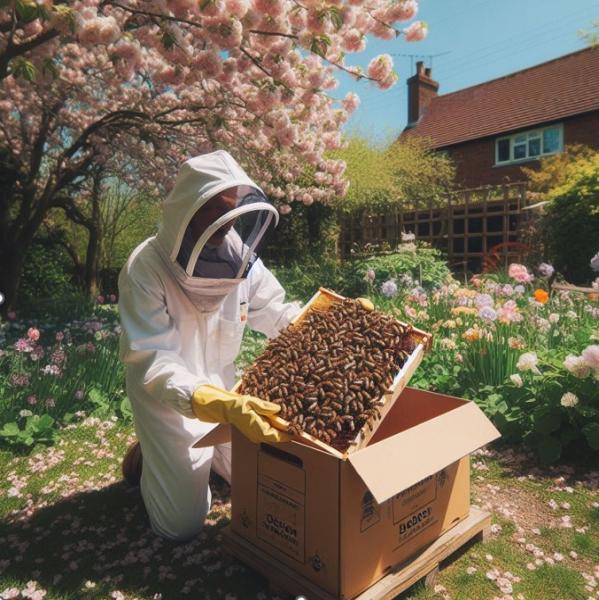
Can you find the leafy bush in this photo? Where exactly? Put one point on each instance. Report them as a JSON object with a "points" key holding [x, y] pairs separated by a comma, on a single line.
{"points": [[46, 278], [409, 266], [569, 228]]}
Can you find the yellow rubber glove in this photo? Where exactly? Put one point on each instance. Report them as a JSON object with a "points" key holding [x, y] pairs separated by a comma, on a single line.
{"points": [[366, 303], [215, 405]]}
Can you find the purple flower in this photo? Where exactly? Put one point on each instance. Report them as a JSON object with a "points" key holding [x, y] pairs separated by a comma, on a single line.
{"points": [[487, 313], [389, 288], [370, 275], [483, 300]]}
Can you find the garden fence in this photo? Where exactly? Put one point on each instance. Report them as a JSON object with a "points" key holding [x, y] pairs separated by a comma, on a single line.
{"points": [[466, 225]]}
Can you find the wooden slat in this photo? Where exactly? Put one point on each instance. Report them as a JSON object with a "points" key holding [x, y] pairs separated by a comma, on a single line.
{"points": [[404, 576]]}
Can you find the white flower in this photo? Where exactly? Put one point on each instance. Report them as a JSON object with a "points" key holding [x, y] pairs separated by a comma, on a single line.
{"points": [[569, 400], [571, 314], [595, 262], [408, 237], [577, 366], [516, 380], [25, 413], [389, 288], [553, 318], [546, 270], [408, 247], [528, 362]]}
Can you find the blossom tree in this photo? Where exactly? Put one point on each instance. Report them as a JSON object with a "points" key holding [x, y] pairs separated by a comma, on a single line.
{"points": [[134, 87]]}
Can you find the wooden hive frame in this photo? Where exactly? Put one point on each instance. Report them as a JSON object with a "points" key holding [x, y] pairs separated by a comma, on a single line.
{"points": [[323, 300]]}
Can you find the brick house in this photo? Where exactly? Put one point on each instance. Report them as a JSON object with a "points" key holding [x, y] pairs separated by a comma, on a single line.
{"points": [[491, 129]]}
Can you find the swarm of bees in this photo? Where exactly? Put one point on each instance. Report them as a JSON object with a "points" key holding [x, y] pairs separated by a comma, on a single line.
{"points": [[330, 372]]}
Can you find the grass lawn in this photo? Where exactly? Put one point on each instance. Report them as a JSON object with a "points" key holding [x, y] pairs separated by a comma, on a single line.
{"points": [[69, 524]]}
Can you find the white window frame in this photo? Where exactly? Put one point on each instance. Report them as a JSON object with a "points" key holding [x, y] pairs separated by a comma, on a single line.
{"points": [[530, 133]]}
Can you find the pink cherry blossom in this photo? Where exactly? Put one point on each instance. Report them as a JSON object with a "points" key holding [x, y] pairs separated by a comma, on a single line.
{"points": [[380, 67], [416, 32]]}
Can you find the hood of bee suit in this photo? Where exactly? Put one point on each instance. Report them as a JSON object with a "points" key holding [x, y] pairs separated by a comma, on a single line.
{"points": [[200, 179]]}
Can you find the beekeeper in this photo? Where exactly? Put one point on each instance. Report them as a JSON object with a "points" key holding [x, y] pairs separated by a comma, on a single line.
{"points": [[186, 296]]}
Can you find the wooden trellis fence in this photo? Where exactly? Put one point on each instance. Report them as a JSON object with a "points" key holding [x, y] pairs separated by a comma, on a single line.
{"points": [[466, 226]]}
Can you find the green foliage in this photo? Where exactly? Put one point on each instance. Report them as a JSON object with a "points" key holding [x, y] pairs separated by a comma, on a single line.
{"points": [[404, 174], [57, 378], [46, 276], [571, 223], [29, 430], [423, 266]]}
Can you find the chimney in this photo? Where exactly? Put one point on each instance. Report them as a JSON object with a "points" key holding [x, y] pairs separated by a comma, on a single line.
{"points": [[421, 90]]}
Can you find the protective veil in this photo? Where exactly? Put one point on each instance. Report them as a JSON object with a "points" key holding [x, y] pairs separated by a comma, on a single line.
{"points": [[183, 307]]}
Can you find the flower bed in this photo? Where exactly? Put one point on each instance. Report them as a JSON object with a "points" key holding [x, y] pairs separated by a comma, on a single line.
{"points": [[528, 357], [49, 373]]}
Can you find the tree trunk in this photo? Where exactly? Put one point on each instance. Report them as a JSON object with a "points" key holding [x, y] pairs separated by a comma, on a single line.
{"points": [[93, 244]]}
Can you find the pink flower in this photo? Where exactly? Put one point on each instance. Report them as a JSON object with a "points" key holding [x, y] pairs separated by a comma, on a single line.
{"points": [[380, 67], [12, 315], [100, 299], [50, 403], [33, 334], [354, 41], [416, 31], [59, 336], [591, 356], [519, 273], [112, 298], [351, 102], [31, 400], [23, 345], [403, 11], [284, 209]]}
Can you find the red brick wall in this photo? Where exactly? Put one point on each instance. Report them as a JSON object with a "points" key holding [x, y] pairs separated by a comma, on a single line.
{"points": [[474, 160]]}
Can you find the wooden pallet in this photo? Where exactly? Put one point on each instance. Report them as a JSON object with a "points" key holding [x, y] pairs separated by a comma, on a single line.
{"points": [[424, 565]]}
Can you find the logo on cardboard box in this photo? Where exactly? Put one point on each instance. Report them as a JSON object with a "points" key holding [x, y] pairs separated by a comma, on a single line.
{"points": [[416, 496], [415, 523], [280, 522], [370, 512]]}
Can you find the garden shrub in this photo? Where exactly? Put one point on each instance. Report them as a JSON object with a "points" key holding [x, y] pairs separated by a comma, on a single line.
{"points": [[47, 279], [423, 266], [571, 225]]}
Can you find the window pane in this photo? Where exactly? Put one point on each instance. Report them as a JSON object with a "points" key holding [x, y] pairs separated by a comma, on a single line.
{"points": [[520, 139], [551, 140], [534, 147], [503, 150], [519, 151]]}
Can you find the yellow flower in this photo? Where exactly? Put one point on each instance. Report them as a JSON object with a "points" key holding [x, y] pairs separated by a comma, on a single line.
{"points": [[464, 310], [472, 334]]}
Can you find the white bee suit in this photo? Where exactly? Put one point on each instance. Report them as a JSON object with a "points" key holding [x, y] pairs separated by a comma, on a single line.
{"points": [[178, 333]]}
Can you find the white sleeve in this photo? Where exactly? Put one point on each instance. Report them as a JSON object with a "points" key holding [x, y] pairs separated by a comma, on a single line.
{"points": [[150, 343], [268, 311]]}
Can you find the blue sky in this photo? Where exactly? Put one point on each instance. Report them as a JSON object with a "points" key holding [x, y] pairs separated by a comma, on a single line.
{"points": [[475, 40]]}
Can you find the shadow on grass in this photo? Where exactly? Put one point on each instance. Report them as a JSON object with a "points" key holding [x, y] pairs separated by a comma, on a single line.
{"points": [[96, 543]]}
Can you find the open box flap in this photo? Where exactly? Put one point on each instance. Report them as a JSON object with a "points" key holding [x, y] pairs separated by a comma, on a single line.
{"points": [[220, 434], [400, 461]]}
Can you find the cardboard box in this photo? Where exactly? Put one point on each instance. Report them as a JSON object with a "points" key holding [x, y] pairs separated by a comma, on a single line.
{"points": [[343, 523]]}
